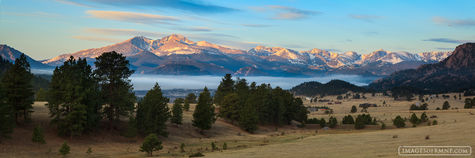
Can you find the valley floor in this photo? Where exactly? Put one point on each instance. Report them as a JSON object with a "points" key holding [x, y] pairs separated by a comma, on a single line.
{"points": [[455, 127]]}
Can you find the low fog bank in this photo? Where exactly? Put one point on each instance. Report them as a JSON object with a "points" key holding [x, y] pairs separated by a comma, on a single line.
{"points": [[146, 81]]}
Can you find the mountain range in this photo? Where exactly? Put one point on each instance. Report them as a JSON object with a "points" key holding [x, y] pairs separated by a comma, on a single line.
{"points": [[455, 73], [177, 55]]}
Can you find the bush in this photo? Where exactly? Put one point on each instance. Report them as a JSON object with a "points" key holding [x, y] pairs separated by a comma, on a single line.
{"points": [[399, 122], [348, 120], [64, 150], [198, 154], [422, 107], [434, 122], [213, 146], [225, 146], [150, 144], [383, 126], [469, 103], [38, 136], [182, 147], [89, 151]]}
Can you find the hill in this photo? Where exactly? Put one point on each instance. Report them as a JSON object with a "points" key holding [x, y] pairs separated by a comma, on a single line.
{"points": [[334, 87], [454, 74]]}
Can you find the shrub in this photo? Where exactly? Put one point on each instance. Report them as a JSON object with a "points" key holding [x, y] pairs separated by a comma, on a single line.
{"points": [[422, 107], [434, 122], [38, 136], [399, 122], [150, 144], [89, 151], [64, 150], [383, 126], [198, 154], [182, 147], [359, 123], [225, 146], [213, 146]]}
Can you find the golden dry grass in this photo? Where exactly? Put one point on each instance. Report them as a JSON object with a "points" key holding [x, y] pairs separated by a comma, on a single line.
{"points": [[456, 127]]}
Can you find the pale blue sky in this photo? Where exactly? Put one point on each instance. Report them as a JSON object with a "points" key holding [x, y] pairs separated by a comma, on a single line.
{"points": [[47, 28]]}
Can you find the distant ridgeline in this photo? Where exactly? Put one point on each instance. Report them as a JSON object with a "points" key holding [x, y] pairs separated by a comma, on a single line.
{"points": [[334, 87], [454, 74]]}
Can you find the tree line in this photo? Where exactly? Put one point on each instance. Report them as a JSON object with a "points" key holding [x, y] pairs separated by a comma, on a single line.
{"points": [[79, 98]]}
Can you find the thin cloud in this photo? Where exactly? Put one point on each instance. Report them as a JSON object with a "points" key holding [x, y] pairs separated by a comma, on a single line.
{"points": [[445, 48], [365, 18], [195, 29], [183, 5], [73, 3], [286, 13], [97, 39], [454, 23], [133, 17], [447, 40], [123, 32], [256, 25]]}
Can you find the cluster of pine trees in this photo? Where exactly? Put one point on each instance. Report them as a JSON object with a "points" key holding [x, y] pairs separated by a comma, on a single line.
{"points": [[16, 94], [250, 105]]}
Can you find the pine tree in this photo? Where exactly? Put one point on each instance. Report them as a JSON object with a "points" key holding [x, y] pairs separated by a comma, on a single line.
{"points": [[38, 136], [468, 103], [204, 116], [360, 121], [18, 89], [186, 105], [153, 113], [64, 150], [151, 144], [191, 98], [348, 120], [229, 109], [74, 98], [424, 117], [225, 87], [446, 105], [322, 123], [332, 122], [414, 119], [248, 119], [112, 71], [177, 111], [7, 122], [353, 109], [399, 122]]}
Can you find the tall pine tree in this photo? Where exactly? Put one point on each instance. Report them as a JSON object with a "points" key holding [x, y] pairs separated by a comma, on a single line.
{"points": [[7, 121], [153, 113], [112, 71], [73, 98], [18, 88], [177, 111], [225, 87], [204, 116]]}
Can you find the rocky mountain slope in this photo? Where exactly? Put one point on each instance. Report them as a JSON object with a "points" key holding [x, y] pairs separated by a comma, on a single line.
{"points": [[455, 73]]}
